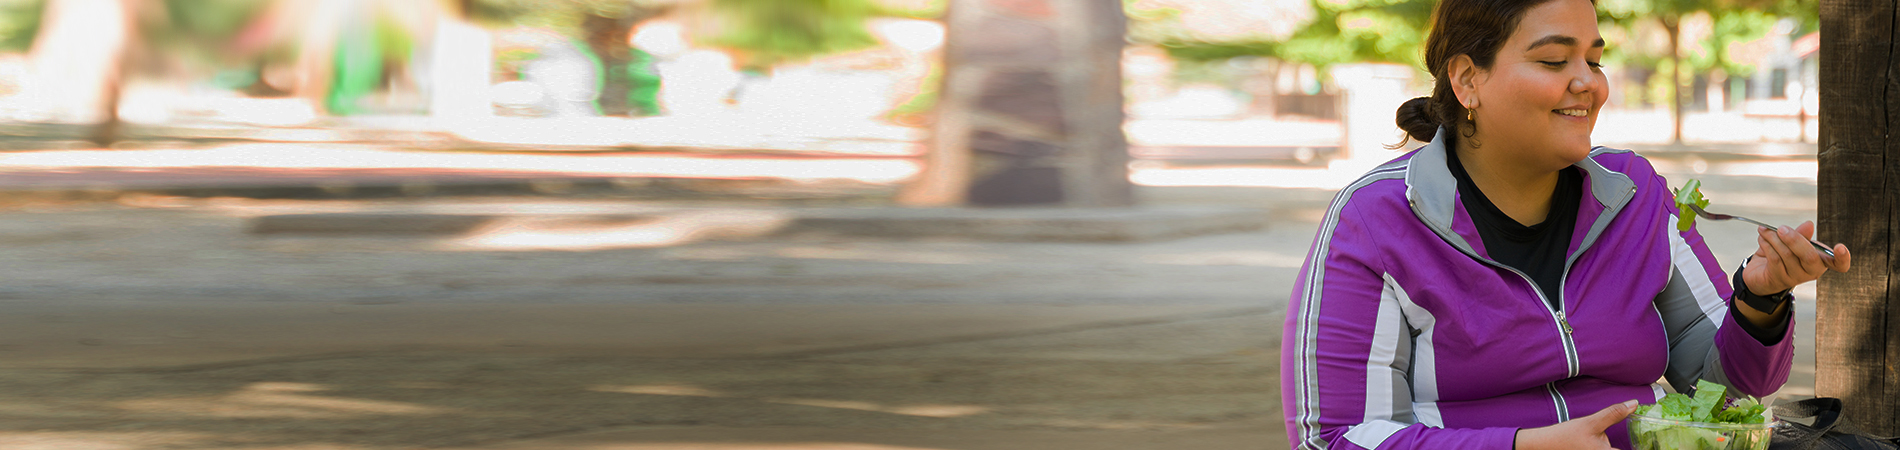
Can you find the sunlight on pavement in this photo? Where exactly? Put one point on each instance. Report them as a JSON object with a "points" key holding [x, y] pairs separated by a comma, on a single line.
{"points": [[268, 399], [915, 410], [531, 234], [102, 440], [1229, 258], [1241, 132], [1282, 177], [926, 410], [1794, 170], [751, 446], [1800, 170], [157, 105], [300, 156], [1623, 127], [680, 390], [904, 257]]}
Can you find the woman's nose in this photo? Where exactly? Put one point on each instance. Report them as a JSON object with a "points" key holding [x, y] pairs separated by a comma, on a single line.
{"points": [[1579, 85]]}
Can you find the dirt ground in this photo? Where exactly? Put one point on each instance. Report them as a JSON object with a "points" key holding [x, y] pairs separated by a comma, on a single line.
{"points": [[165, 324]]}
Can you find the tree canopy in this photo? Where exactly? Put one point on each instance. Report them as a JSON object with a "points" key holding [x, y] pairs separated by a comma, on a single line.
{"points": [[769, 32], [1339, 31], [1342, 31]]}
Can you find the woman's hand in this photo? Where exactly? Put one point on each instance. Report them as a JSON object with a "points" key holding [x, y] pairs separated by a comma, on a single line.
{"points": [[1785, 260], [1583, 433]]}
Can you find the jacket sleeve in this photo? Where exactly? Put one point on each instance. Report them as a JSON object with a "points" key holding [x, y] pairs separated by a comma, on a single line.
{"points": [[1346, 353], [1705, 342]]}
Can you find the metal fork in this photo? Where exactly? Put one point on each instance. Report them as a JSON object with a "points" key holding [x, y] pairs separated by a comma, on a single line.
{"points": [[1713, 216]]}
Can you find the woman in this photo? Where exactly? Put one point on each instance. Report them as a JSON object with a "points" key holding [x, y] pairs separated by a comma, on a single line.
{"points": [[1509, 286]]}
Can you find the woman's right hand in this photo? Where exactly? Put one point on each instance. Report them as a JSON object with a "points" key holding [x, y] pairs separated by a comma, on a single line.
{"points": [[1583, 433]]}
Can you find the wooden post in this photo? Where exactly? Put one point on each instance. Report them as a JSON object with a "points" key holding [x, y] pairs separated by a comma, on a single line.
{"points": [[1031, 107], [1857, 332]]}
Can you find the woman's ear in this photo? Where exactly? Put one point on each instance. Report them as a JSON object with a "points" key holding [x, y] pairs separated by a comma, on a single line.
{"points": [[1465, 78]]}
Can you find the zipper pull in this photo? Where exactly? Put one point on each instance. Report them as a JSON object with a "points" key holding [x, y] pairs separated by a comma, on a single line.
{"points": [[1561, 320]]}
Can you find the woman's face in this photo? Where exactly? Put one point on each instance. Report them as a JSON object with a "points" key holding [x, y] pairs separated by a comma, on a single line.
{"points": [[1540, 99]]}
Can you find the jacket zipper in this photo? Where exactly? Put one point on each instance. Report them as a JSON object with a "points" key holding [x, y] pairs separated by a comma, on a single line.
{"points": [[1564, 331], [1563, 408], [1556, 316]]}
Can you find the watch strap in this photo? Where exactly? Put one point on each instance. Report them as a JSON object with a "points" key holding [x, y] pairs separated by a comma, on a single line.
{"points": [[1764, 303]]}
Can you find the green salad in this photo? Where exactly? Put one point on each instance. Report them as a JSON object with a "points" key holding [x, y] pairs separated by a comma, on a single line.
{"points": [[1690, 194], [1709, 405]]}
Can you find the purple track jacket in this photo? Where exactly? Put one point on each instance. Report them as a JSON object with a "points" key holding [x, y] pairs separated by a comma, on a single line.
{"points": [[1402, 334]]}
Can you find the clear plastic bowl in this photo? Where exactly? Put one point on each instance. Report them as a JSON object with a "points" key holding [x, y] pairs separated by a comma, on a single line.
{"points": [[1651, 433]]}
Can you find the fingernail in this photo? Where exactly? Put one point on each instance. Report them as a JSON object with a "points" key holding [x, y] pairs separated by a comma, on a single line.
{"points": [[1629, 404]]}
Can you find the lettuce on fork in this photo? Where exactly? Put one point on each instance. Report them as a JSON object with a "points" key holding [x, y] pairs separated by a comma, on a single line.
{"points": [[1690, 194]]}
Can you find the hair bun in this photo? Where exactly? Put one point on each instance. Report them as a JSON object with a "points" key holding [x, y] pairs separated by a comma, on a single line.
{"points": [[1415, 117]]}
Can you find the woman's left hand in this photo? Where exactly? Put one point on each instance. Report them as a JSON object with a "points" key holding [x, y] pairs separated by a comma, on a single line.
{"points": [[1785, 260]]}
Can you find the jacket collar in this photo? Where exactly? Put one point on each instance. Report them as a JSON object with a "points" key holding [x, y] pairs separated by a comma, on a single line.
{"points": [[1432, 193]]}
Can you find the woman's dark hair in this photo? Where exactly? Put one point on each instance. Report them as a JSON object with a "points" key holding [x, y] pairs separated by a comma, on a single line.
{"points": [[1477, 28]]}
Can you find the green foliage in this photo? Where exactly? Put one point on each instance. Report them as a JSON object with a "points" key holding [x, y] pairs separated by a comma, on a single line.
{"points": [[924, 101], [1394, 31], [932, 10], [563, 16], [1734, 21], [201, 30], [1731, 27], [210, 20], [1362, 30], [19, 23], [1341, 31], [776, 31], [1200, 51], [1155, 24]]}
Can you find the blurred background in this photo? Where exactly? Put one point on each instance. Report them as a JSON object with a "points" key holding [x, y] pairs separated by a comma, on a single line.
{"points": [[743, 224], [650, 72]]}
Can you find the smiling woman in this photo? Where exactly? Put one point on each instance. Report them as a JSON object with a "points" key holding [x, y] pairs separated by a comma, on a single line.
{"points": [[1510, 286]]}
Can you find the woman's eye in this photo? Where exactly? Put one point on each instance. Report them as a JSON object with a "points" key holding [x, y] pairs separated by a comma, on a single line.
{"points": [[1552, 63], [1596, 65]]}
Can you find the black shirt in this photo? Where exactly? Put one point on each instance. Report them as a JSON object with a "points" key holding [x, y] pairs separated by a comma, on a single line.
{"points": [[1539, 250]]}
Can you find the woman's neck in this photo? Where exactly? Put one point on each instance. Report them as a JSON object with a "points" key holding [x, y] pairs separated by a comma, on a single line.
{"points": [[1519, 191]]}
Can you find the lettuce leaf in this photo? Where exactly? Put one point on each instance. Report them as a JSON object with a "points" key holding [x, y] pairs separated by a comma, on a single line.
{"points": [[1708, 397], [1689, 194]]}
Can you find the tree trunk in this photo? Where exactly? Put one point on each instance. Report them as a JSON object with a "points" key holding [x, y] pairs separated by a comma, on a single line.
{"points": [[1272, 104], [1857, 337], [1031, 109], [77, 59], [607, 37], [106, 132], [1674, 26]]}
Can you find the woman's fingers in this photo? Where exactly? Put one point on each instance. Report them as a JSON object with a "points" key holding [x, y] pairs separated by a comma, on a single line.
{"points": [[1606, 417], [1809, 259], [1788, 258], [1842, 260], [1779, 259]]}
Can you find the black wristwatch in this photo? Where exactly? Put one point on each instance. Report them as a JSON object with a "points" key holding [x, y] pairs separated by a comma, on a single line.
{"points": [[1764, 303]]}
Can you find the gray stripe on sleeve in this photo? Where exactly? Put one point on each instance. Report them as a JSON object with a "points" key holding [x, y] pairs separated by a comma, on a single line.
{"points": [[1691, 332]]}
